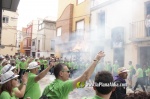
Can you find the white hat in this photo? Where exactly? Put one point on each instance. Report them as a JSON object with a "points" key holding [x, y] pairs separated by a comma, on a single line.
{"points": [[36, 58], [122, 70], [33, 65], [23, 59], [1, 56], [7, 77], [7, 68]]}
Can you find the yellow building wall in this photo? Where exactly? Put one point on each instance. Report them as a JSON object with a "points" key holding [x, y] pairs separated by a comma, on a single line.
{"points": [[80, 11], [9, 33]]}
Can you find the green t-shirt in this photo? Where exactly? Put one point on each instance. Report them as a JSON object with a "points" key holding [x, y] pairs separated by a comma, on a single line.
{"points": [[41, 61], [13, 94], [107, 67], [58, 89], [33, 88], [45, 64], [23, 65], [1, 69], [140, 72], [130, 68], [6, 95], [95, 97], [147, 71], [17, 61], [115, 68]]}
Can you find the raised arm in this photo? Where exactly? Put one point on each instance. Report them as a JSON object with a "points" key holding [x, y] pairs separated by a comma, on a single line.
{"points": [[88, 72], [20, 93], [44, 72]]}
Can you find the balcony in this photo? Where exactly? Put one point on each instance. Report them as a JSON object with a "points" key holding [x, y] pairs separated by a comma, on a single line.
{"points": [[139, 31], [95, 4], [27, 47], [25, 35]]}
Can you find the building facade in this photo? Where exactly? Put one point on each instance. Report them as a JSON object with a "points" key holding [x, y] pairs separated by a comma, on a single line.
{"points": [[124, 26], [72, 23], [8, 5], [9, 32], [44, 43], [27, 36], [18, 41]]}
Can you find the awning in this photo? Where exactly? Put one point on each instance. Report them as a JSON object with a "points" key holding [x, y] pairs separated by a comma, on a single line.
{"points": [[10, 5]]}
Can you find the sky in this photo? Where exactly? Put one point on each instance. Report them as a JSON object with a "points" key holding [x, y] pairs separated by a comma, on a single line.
{"points": [[29, 10]]}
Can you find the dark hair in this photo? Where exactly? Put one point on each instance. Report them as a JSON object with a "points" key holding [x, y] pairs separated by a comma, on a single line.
{"points": [[138, 95], [7, 87], [130, 62], [138, 66], [58, 68], [104, 77]]}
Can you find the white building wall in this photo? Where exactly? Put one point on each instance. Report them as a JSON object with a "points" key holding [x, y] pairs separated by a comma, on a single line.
{"points": [[45, 36], [117, 14], [34, 29]]}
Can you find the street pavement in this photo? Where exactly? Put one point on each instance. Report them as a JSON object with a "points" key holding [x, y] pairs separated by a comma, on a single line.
{"points": [[77, 93]]}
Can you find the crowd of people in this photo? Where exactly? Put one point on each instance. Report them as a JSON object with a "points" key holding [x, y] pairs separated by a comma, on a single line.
{"points": [[19, 76]]}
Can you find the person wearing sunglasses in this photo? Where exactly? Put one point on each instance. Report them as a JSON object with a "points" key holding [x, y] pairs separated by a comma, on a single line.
{"points": [[17, 91], [62, 86], [8, 82]]}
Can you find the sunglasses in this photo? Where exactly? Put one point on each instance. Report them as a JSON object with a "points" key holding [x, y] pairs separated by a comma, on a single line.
{"points": [[66, 71]]}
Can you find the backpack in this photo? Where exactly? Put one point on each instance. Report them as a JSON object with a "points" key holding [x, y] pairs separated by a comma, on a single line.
{"points": [[44, 96]]}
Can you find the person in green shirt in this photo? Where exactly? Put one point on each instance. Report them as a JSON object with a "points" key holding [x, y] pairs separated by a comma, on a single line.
{"points": [[115, 68], [147, 72], [33, 88], [62, 86], [41, 63], [131, 73], [22, 67], [18, 92], [8, 81], [108, 66], [139, 75], [103, 92], [45, 64]]}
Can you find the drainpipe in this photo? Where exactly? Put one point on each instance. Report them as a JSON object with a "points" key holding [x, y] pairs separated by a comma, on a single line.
{"points": [[0, 20]]}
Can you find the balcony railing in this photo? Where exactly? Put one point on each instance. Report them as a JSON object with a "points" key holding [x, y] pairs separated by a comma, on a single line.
{"points": [[95, 3], [139, 31]]}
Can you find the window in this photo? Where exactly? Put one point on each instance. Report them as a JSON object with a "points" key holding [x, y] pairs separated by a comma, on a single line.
{"points": [[33, 43], [59, 31], [80, 1], [38, 44], [40, 25], [29, 42], [5, 19], [102, 19], [80, 25], [29, 31], [25, 42], [52, 45]]}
